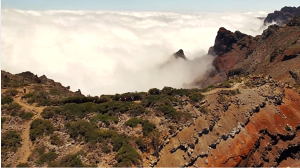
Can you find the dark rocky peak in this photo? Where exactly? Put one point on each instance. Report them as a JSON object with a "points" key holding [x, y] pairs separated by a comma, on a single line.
{"points": [[283, 16], [180, 54], [269, 31], [223, 42], [294, 22], [292, 10], [29, 76]]}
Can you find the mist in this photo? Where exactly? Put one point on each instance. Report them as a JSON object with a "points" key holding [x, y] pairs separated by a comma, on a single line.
{"points": [[114, 52]]}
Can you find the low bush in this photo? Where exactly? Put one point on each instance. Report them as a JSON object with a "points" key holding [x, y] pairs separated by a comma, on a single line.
{"points": [[147, 127], [136, 110], [6, 100], [40, 127], [10, 141], [11, 92], [70, 160], [168, 110], [13, 106], [196, 97], [227, 84], [26, 115], [105, 118], [248, 84], [133, 122], [3, 119], [48, 112], [55, 140], [47, 157], [127, 156], [203, 110]]}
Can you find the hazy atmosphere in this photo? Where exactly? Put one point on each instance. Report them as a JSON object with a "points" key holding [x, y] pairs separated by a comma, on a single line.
{"points": [[103, 52]]}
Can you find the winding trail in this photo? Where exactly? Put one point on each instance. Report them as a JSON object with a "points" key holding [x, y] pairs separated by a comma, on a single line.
{"points": [[27, 147], [235, 86]]}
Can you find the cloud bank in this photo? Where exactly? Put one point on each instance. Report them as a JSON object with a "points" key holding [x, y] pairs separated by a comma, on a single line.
{"points": [[114, 52]]}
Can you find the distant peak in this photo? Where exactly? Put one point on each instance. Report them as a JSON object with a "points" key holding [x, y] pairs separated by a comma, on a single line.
{"points": [[180, 54]]}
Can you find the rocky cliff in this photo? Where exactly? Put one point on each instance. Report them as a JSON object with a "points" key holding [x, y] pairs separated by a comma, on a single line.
{"points": [[283, 16], [274, 53]]}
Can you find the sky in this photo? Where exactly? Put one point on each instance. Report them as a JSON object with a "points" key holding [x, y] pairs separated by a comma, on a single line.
{"points": [[152, 5]]}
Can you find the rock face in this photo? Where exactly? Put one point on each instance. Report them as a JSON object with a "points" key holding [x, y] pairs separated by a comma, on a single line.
{"points": [[248, 129], [283, 16], [274, 53]]}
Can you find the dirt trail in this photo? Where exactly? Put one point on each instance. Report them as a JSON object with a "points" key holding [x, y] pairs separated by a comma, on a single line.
{"points": [[27, 146], [235, 86]]}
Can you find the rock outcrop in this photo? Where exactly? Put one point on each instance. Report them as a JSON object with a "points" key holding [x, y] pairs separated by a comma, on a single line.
{"points": [[283, 16], [274, 53], [179, 54]]}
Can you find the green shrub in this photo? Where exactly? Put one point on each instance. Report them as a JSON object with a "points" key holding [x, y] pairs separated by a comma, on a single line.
{"points": [[29, 95], [55, 140], [118, 141], [154, 91], [288, 128], [48, 112], [248, 83], [3, 119], [23, 165], [239, 80], [196, 97], [227, 84], [168, 110], [47, 157], [141, 144], [11, 92], [13, 106], [136, 110], [6, 100], [105, 148], [147, 127], [105, 118], [133, 122], [70, 161], [233, 92], [80, 128], [10, 141], [26, 116], [203, 110], [127, 156], [40, 127]]}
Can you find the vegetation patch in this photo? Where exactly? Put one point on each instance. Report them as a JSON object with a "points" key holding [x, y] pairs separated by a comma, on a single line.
{"points": [[196, 97], [40, 128], [47, 157], [127, 156], [105, 118], [55, 140], [6, 100], [26, 115], [147, 126], [10, 141]]}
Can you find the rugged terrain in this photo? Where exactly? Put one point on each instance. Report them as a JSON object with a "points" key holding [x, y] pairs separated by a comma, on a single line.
{"points": [[275, 53], [283, 16], [240, 122], [246, 114]]}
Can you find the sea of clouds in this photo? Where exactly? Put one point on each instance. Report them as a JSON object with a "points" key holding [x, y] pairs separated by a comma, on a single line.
{"points": [[104, 52]]}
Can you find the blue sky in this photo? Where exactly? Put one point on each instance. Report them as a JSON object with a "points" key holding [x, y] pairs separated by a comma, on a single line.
{"points": [[152, 5]]}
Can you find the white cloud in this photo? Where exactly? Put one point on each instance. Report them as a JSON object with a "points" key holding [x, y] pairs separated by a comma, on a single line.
{"points": [[113, 52]]}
